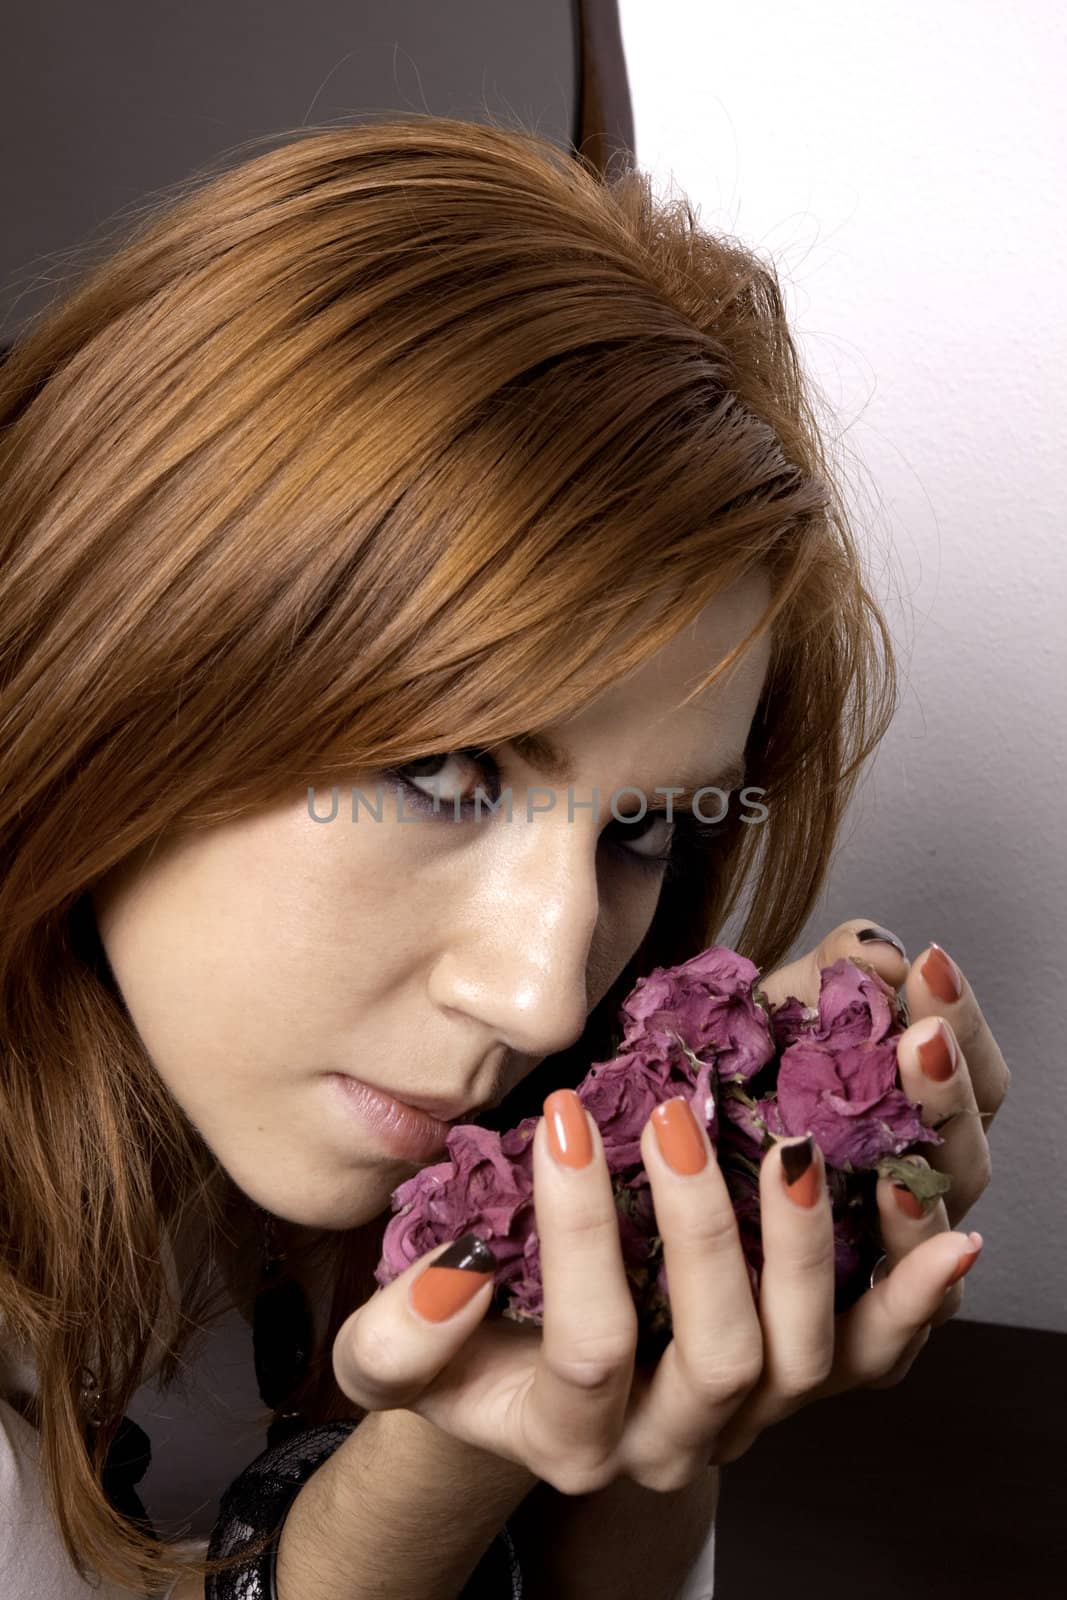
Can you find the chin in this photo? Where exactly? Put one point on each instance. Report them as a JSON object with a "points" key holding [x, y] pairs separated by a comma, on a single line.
{"points": [[334, 1208]]}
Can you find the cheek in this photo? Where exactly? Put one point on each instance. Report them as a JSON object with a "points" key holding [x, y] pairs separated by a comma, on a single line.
{"points": [[628, 900], [215, 987]]}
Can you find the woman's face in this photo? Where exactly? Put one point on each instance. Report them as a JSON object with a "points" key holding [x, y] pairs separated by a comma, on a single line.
{"points": [[434, 957]]}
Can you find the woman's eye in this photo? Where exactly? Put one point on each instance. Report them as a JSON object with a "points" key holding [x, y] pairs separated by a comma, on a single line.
{"points": [[648, 837], [437, 778], [435, 784]]}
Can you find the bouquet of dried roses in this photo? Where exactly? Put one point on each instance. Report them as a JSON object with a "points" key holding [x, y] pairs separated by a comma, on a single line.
{"points": [[752, 1073]]}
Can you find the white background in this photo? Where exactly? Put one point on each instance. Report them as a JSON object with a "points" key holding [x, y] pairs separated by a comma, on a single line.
{"points": [[904, 167]]}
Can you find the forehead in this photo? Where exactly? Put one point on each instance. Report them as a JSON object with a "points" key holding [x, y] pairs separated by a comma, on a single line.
{"points": [[661, 684], [642, 724]]}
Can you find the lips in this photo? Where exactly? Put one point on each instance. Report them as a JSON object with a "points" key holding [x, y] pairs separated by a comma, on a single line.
{"points": [[440, 1110]]}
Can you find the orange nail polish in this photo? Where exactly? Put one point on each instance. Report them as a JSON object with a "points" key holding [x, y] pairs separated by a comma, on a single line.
{"points": [[800, 1170], [569, 1140], [941, 975], [909, 1203], [678, 1136], [937, 1056], [967, 1261], [453, 1279]]}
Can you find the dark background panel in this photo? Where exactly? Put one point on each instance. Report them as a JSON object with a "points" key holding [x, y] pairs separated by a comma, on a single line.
{"points": [[105, 104], [951, 1485]]}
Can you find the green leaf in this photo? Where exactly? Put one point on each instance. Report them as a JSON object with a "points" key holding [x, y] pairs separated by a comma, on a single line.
{"points": [[925, 1182]]}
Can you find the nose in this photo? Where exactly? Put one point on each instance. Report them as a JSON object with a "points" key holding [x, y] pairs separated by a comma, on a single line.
{"points": [[518, 957]]}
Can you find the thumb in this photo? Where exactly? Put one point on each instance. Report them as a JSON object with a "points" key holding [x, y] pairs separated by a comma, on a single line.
{"points": [[395, 1344]]}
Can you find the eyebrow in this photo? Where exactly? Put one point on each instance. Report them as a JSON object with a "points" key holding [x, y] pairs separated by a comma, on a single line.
{"points": [[546, 757]]}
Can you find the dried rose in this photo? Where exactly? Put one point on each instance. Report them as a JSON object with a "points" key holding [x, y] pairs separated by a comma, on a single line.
{"points": [[708, 1003], [705, 1030], [838, 1080]]}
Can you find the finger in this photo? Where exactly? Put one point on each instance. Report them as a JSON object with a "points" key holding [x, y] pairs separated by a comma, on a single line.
{"points": [[906, 1220], [876, 1341], [796, 1294], [716, 1351], [936, 985], [935, 1074], [575, 1409], [397, 1342], [797, 1281], [903, 1366], [802, 977], [873, 1336]]}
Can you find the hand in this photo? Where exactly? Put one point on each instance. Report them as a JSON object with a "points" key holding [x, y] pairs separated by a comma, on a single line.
{"points": [[878, 1339], [565, 1401]]}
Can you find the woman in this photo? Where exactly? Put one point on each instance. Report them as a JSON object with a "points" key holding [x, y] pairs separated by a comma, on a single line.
{"points": [[405, 459]]}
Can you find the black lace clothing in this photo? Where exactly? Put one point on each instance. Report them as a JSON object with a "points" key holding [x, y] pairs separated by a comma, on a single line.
{"points": [[261, 1496]]}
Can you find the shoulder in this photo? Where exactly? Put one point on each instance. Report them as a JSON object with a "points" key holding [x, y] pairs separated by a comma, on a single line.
{"points": [[19, 1447], [29, 1544], [33, 1558]]}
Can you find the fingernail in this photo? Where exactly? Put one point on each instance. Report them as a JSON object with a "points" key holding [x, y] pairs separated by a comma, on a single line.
{"points": [[941, 974], [938, 1054], [678, 1137], [453, 1279], [909, 1203], [967, 1261], [801, 1172], [569, 1140], [882, 936]]}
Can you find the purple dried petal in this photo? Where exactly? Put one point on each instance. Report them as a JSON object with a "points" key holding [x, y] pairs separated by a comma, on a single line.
{"points": [[702, 1030]]}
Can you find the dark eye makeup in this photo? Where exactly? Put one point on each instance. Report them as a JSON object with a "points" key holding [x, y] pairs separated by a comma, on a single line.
{"points": [[689, 836]]}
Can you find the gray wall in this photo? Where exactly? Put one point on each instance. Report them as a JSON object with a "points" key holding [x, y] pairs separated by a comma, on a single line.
{"points": [[907, 177]]}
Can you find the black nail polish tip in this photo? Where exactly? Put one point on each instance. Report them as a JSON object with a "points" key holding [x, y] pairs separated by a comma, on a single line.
{"points": [[797, 1158], [883, 936], [470, 1254]]}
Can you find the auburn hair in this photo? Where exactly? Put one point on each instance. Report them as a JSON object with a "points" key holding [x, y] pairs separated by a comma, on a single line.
{"points": [[403, 436]]}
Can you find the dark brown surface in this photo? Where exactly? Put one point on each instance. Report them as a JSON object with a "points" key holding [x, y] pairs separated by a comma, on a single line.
{"points": [[605, 122], [952, 1483]]}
